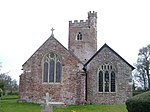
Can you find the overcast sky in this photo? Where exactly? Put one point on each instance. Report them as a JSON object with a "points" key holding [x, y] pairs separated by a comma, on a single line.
{"points": [[25, 25]]}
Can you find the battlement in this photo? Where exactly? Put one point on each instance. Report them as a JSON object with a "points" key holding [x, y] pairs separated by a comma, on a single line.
{"points": [[78, 23], [92, 14], [83, 23]]}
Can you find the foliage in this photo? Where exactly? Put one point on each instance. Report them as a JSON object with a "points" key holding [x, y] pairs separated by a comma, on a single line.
{"points": [[142, 74], [136, 92], [139, 103], [13, 106], [1, 92], [7, 84]]}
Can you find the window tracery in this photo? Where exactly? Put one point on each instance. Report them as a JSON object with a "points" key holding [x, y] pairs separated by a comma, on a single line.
{"points": [[51, 68], [107, 79]]}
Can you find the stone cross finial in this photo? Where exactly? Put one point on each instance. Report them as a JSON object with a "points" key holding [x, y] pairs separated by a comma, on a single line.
{"points": [[52, 30]]}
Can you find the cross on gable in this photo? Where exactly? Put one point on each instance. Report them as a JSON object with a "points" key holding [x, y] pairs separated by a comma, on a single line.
{"points": [[52, 30]]}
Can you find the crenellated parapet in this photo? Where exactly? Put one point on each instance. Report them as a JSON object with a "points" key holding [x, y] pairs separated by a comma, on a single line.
{"points": [[85, 23], [80, 23], [92, 14]]}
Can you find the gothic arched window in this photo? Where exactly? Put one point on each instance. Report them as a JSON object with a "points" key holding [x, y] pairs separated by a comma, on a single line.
{"points": [[79, 36], [58, 71], [107, 79], [51, 71], [51, 68], [45, 75], [113, 86], [100, 81]]}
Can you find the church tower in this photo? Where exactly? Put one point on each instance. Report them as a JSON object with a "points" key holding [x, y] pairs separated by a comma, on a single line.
{"points": [[83, 37]]}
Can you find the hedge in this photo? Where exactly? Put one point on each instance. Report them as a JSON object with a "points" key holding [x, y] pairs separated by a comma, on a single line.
{"points": [[139, 103], [136, 92]]}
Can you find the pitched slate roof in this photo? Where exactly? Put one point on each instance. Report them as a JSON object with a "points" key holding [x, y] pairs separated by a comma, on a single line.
{"points": [[105, 45]]}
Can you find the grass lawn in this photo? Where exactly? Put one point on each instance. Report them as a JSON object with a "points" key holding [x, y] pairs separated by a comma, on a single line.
{"points": [[13, 106], [9, 97], [93, 108]]}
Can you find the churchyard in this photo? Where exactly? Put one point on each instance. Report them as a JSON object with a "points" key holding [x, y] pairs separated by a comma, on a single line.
{"points": [[13, 106]]}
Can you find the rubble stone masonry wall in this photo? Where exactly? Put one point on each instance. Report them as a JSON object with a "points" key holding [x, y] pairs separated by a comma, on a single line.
{"points": [[123, 79], [33, 89]]}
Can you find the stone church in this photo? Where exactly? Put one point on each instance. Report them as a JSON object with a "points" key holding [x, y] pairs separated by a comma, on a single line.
{"points": [[79, 74]]}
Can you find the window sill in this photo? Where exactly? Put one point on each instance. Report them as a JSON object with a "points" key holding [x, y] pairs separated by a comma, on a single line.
{"points": [[55, 83]]}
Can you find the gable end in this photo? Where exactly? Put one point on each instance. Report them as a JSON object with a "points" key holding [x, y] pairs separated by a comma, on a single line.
{"points": [[105, 45]]}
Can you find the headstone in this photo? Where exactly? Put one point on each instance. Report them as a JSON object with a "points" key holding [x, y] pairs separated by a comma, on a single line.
{"points": [[45, 106]]}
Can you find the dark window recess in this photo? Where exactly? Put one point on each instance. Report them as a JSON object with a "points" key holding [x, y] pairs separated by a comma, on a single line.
{"points": [[113, 82], [45, 76], [58, 71], [100, 81], [51, 75], [106, 81], [79, 36]]}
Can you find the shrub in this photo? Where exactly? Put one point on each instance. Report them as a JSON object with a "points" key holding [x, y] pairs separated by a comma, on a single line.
{"points": [[1, 92], [136, 92], [12, 93], [139, 103]]}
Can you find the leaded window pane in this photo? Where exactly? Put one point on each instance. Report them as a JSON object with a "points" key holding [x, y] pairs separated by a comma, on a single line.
{"points": [[58, 71], [52, 67], [45, 76], [100, 81], [106, 81], [113, 82]]}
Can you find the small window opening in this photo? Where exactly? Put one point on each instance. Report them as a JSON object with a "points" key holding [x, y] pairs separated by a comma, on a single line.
{"points": [[79, 36]]}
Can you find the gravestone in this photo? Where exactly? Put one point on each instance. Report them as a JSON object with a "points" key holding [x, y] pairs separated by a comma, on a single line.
{"points": [[45, 106], [48, 105]]}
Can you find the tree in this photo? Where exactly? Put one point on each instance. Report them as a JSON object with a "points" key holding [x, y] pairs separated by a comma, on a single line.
{"points": [[7, 84], [143, 67], [14, 85], [1, 92]]}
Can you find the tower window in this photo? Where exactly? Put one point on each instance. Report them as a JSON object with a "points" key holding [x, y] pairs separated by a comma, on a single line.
{"points": [[79, 36]]}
